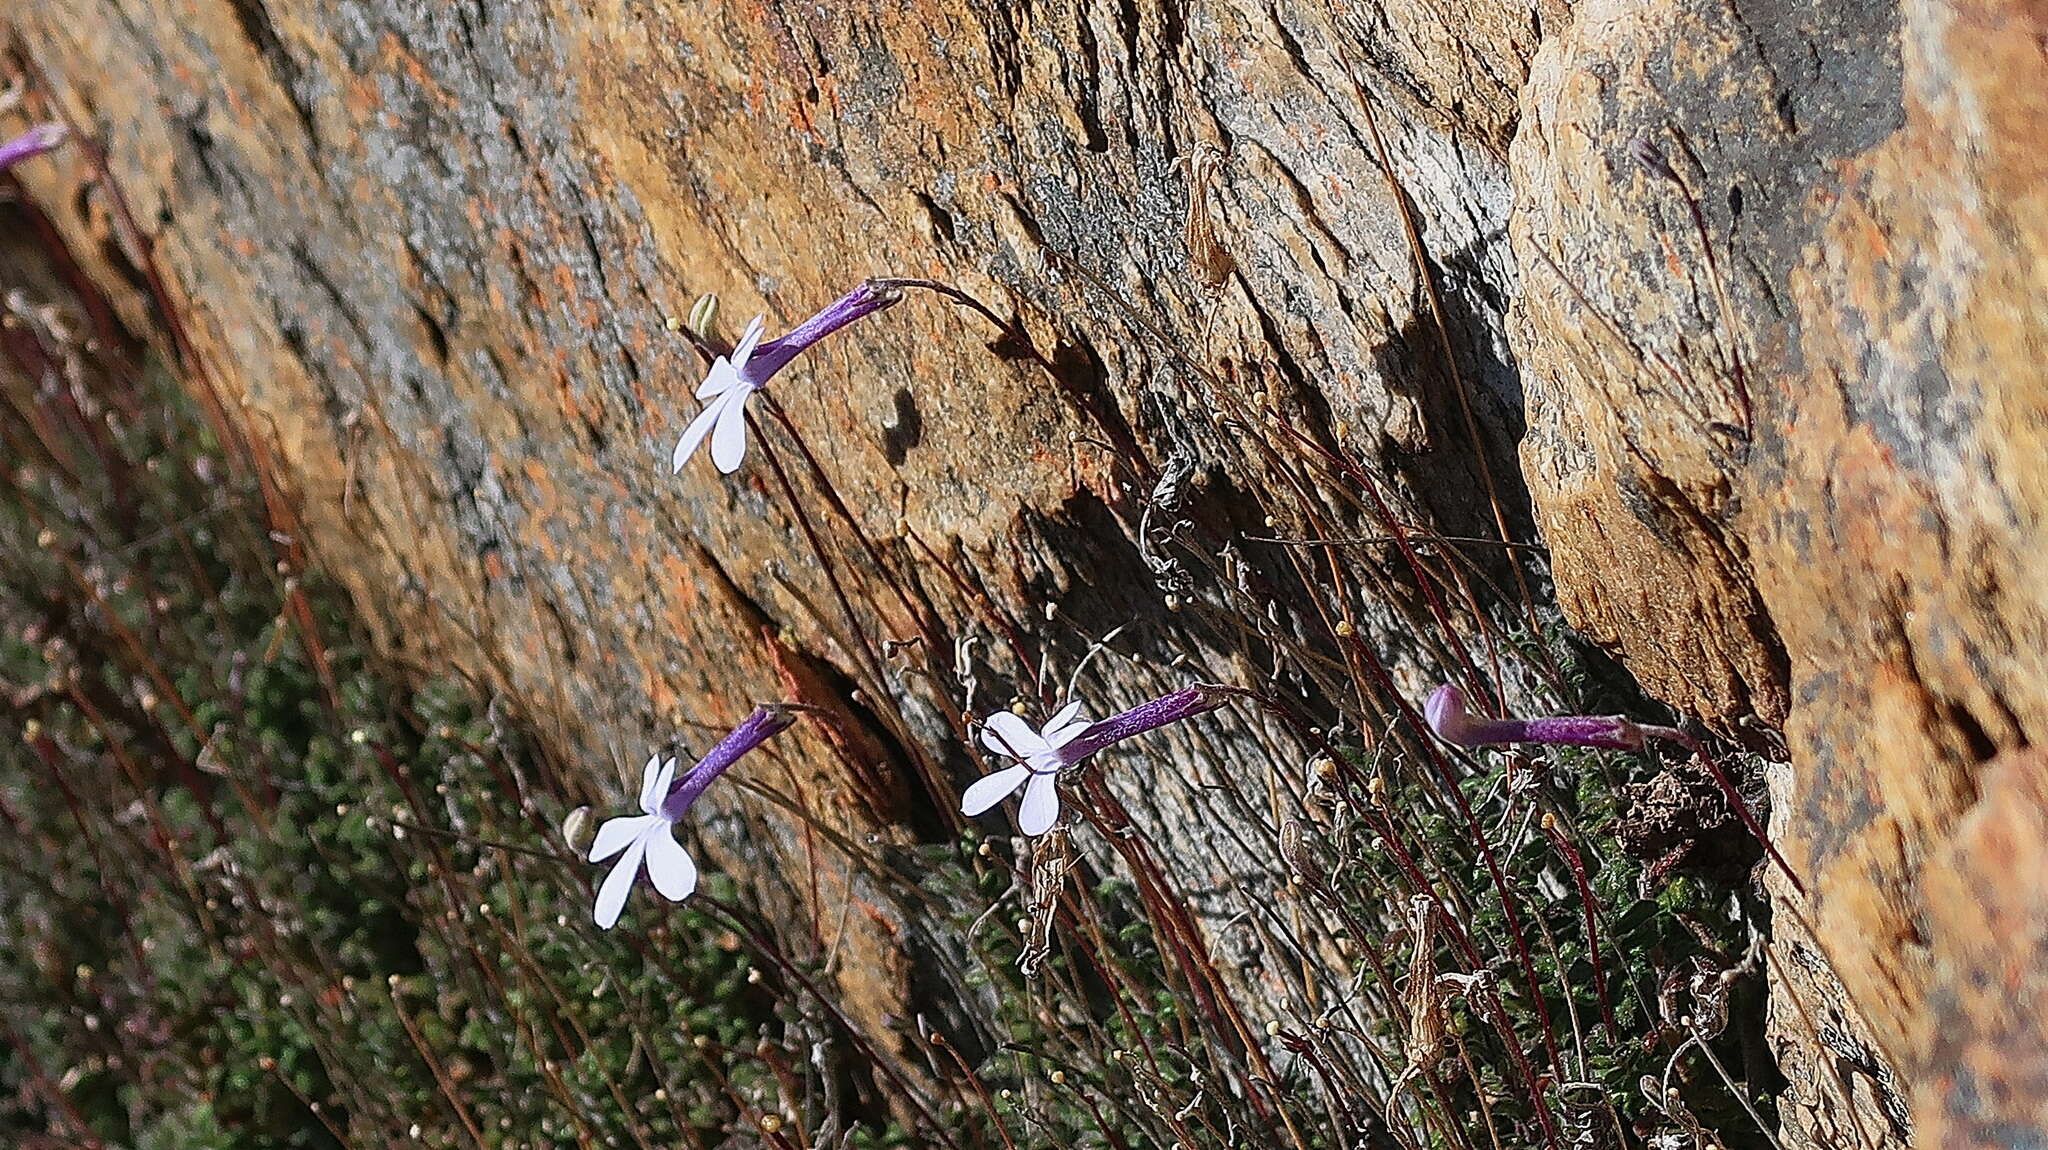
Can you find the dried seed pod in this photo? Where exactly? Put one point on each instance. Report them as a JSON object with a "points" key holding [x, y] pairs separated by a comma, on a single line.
{"points": [[1207, 261], [1052, 858], [1299, 856]]}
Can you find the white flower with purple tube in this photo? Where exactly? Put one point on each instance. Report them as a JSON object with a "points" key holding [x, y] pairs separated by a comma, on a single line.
{"points": [[1065, 741], [734, 378], [649, 837], [1006, 734]]}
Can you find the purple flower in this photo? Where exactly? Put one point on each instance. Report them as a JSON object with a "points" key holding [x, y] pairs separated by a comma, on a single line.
{"points": [[30, 144], [735, 378], [1064, 741], [664, 800], [1446, 713]]}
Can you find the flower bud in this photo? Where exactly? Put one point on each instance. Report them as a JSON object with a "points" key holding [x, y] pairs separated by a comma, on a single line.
{"points": [[704, 316]]}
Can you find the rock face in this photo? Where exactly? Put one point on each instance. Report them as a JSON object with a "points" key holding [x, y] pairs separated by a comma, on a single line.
{"points": [[431, 255], [1781, 332], [1766, 288]]}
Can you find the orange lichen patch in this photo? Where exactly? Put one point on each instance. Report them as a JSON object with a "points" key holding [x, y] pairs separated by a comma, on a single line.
{"points": [[880, 918], [682, 597], [651, 419], [828, 91], [588, 404], [545, 547], [799, 115], [417, 73], [1674, 264], [360, 97], [565, 397], [238, 106], [542, 480]]}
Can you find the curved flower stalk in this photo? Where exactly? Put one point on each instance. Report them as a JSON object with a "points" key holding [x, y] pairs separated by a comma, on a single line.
{"points": [[649, 836], [30, 144], [1064, 741], [734, 378]]}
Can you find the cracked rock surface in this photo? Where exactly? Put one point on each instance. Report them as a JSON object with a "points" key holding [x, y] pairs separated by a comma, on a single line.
{"points": [[1737, 311]]}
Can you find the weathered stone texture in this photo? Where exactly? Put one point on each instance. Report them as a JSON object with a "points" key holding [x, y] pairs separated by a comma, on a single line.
{"points": [[1989, 937], [430, 250], [1776, 284], [1856, 550]]}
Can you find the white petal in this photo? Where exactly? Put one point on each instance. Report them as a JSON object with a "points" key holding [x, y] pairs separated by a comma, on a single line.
{"points": [[1061, 728], [1006, 734], [695, 433], [1066, 734], [994, 742], [652, 800], [648, 774], [729, 442], [1041, 807], [989, 790], [749, 339], [670, 866], [611, 897], [722, 377], [613, 836]]}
